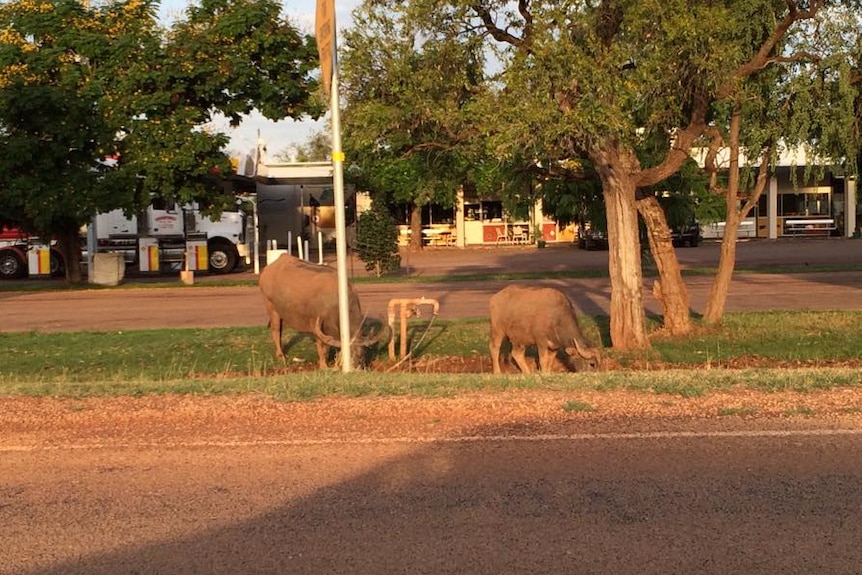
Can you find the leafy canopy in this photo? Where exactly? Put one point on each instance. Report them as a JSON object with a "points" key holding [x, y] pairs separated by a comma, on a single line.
{"points": [[80, 84], [409, 94]]}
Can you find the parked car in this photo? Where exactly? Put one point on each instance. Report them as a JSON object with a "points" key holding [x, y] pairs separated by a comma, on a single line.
{"points": [[687, 235], [592, 239]]}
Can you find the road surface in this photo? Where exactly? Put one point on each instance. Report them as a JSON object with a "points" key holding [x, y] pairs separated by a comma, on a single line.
{"points": [[512, 482], [209, 306], [580, 495]]}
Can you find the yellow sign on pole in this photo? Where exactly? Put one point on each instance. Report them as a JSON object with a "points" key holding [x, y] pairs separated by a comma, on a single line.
{"points": [[324, 31]]}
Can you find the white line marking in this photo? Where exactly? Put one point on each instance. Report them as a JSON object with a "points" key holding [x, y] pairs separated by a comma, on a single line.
{"points": [[445, 440]]}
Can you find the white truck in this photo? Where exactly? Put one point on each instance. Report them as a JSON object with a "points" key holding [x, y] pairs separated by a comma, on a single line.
{"points": [[170, 230], [167, 237]]}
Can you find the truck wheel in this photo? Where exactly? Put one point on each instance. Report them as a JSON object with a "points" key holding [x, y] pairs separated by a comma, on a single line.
{"points": [[223, 257], [11, 265]]}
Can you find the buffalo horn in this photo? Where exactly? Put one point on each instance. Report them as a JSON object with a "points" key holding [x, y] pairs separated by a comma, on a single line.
{"points": [[327, 339], [384, 333], [587, 353]]}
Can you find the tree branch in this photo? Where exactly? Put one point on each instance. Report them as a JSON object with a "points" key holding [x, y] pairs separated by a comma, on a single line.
{"points": [[524, 10], [495, 31], [760, 183], [680, 151], [762, 58], [710, 165]]}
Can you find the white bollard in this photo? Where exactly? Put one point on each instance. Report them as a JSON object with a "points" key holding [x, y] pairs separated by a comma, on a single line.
{"points": [[299, 248], [320, 248], [289, 243]]}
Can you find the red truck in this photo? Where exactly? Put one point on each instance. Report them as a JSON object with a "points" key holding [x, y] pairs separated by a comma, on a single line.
{"points": [[18, 253]]}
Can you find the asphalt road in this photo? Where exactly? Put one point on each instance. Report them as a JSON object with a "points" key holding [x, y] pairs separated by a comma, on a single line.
{"points": [[106, 310], [744, 501], [242, 306]]}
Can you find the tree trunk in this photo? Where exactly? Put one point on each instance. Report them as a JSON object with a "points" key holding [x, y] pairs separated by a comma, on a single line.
{"points": [[628, 320], [669, 289], [69, 245], [416, 228], [727, 259], [726, 264]]}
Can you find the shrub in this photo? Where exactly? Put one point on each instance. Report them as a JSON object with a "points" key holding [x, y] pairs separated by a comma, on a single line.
{"points": [[377, 240]]}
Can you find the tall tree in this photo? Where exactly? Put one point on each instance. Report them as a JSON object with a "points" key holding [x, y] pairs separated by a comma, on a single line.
{"points": [[409, 91], [82, 83], [603, 80], [801, 97], [317, 148]]}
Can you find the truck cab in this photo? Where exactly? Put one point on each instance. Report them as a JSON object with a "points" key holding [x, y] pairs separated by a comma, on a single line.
{"points": [[172, 226]]}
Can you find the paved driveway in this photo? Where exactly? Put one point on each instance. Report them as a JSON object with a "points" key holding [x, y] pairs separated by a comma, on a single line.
{"points": [[210, 306]]}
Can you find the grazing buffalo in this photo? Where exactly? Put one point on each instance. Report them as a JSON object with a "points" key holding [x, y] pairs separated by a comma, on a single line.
{"points": [[543, 317], [304, 297]]}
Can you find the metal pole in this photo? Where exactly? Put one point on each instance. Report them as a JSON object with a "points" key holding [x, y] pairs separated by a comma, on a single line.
{"points": [[325, 31], [256, 237], [320, 248], [340, 221]]}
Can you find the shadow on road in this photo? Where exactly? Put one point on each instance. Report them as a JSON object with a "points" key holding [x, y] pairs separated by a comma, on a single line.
{"points": [[606, 505]]}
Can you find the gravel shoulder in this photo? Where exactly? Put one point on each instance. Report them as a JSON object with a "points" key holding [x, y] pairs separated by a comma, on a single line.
{"points": [[52, 423]]}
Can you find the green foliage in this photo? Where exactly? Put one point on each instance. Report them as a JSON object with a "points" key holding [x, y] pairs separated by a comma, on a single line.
{"points": [[82, 82], [575, 197], [377, 240], [409, 94], [575, 77], [317, 148]]}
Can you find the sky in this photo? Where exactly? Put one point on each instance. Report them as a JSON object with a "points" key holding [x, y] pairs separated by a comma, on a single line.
{"points": [[277, 136]]}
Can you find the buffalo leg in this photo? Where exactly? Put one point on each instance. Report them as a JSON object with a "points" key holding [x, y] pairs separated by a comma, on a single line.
{"points": [[546, 359], [520, 357], [494, 347], [275, 330], [322, 353]]}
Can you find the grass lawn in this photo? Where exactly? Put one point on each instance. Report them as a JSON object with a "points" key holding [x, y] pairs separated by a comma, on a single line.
{"points": [[779, 350]]}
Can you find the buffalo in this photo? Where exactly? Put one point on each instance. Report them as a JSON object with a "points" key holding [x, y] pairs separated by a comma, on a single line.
{"points": [[543, 317], [304, 297]]}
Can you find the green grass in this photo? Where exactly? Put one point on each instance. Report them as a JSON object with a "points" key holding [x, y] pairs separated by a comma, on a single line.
{"points": [[777, 335], [311, 385], [241, 360], [574, 405], [800, 411]]}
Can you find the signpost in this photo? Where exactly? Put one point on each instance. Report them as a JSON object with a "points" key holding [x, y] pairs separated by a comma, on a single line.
{"points": [[326, 46]]}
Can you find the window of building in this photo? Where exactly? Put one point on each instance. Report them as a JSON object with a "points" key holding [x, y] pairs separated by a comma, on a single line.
{"points": [[805, 203], [802, 202]]}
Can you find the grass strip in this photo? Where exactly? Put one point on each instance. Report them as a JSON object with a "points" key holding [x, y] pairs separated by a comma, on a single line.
{"points": [[307, 386]]}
